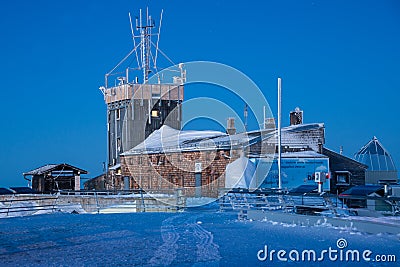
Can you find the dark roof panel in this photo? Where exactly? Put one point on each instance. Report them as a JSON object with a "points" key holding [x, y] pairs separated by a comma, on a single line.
{"points": [[50, 167], [305, 188], [41, 170], [5, 191], [362, 190], [331, 153], [23, 190]]}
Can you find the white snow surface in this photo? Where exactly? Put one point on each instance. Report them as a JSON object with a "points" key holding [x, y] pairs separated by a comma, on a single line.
{"points": [[199, 201], [169, 239]]}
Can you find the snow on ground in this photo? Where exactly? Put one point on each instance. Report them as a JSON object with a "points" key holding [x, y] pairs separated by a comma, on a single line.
{"points": [[199, 201], [198, 237]]}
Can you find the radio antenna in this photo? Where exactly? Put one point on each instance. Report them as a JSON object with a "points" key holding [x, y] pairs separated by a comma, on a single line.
{"points": [[158, 39], [133, 38]]}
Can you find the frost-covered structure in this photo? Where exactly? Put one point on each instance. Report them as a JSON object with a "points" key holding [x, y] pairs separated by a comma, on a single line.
{"points": [[170, 159], [381, 167], [239, 173]]}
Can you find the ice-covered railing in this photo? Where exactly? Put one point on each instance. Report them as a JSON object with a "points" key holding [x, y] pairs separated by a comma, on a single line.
{"points": [[31, 205]]}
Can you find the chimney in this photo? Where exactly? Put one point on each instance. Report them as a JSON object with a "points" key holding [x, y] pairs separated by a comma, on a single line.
{"points": [[269, 123], [296, 116], [230, 129]]}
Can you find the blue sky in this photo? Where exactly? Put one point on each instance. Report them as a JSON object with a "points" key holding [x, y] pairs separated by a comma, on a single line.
{"points": [[339, 61]]}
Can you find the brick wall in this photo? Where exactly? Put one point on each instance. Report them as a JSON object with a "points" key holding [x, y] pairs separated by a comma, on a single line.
{"points": [[158, 172]]}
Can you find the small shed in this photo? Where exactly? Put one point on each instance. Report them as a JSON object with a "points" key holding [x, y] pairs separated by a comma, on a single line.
{"points": [[55, 177]]}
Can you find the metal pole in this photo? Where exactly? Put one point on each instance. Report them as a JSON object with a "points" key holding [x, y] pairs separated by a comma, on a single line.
{"points": [[245, 117], [264, 121], [279, 134], [143, 47]]}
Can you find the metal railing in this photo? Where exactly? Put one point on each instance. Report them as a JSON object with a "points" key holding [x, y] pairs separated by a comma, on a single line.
{"points": [[92, 201], [306, 203], [27, 205]]}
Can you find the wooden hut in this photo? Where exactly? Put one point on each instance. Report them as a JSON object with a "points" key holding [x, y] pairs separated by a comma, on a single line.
{"points": [[55, 177]]}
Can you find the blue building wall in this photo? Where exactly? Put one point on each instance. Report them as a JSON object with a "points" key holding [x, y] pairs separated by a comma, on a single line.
{"points": [[295, 172]]}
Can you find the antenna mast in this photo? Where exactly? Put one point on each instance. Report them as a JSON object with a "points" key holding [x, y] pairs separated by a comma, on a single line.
{"points": [[145, 35], [142, 41]]}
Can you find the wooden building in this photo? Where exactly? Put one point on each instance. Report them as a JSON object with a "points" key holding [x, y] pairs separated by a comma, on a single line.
{"points": [[55, 177], [345, 172]]}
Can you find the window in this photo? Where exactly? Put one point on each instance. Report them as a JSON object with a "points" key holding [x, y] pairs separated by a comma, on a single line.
{"points": [[119, 144], [160, 160], [155, 96], [117, 114], [342, 178]]}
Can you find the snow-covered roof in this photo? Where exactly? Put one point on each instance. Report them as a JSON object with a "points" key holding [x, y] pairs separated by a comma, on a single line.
{"points": [[41, 170], [292, 128], [299, 136], [167, 139], [297, 154], [115, 167], [375, 156], [302, 127]]}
